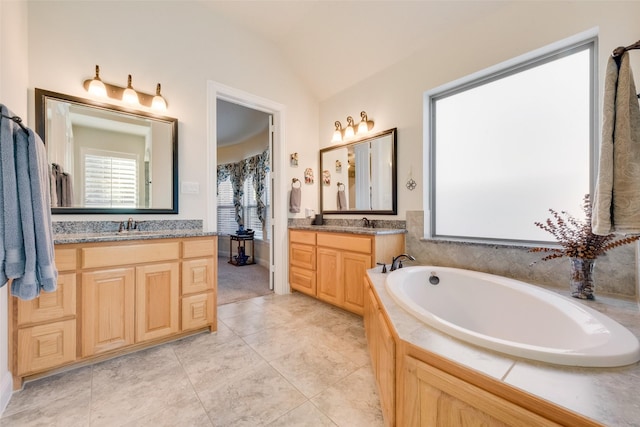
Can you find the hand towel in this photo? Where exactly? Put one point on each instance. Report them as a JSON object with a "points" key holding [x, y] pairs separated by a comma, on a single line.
{"points": [[3, 276], [52, 184], [68, 189], [342, 201], [41, 202], [25, 286], [12, 238], [294, 200], [616, 202]]}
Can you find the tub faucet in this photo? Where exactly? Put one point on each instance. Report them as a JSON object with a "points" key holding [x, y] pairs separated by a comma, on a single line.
{"points": [[397, 261]]}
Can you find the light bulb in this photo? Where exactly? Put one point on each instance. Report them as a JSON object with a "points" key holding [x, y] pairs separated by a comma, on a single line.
{"points": [[129, 95], [96, 87], [337, 134], [348, 131], [365, 125], [158, 102]]}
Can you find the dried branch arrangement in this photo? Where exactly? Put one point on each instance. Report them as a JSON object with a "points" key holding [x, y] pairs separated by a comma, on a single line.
{"points": [[576, 237]]}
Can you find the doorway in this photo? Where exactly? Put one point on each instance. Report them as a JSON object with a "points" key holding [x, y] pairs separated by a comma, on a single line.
{"points": [[278, 271], [243, 201]]}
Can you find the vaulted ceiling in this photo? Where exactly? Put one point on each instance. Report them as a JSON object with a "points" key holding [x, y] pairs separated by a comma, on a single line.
{"points": [[332, 45]]}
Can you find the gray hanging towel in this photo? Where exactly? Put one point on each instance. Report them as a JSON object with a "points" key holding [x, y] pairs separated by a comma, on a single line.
{"points": [[294, 200], [13, 244], [342, 201], [616, 203]]}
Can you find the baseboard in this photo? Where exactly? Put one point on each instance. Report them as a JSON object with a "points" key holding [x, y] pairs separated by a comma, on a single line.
{"points": [[6, 390]]}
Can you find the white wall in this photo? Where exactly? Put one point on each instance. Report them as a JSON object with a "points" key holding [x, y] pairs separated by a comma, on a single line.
{"points": [[13, 81], [393, 98], [181, 45]]}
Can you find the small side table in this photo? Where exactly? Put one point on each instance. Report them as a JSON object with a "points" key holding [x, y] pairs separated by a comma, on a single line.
{"points": [[241, 257]]}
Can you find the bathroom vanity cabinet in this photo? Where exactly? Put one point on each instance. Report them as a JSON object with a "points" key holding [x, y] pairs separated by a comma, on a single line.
{"points": [[421, 388], [330, 265], [115, 297]]}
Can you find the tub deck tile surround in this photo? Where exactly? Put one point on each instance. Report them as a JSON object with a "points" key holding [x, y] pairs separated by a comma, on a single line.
{"points": [[606, 395]]}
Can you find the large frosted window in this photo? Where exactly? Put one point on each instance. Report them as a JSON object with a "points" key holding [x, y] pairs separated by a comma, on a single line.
{"points": [[510, 145]]}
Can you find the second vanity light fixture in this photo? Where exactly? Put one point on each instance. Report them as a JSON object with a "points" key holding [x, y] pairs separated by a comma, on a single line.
{"points": [[127, 95], [363, 127]]}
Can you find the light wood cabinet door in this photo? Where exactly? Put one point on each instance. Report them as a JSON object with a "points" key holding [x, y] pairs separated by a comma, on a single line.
{"points": [[386, 372], [382, 349], [157, 299], [329, 284], [354, 268], [434, 398], [46, 346], [108, 298], [197, 275], [302, 280], [50, 305], [198, 310]]}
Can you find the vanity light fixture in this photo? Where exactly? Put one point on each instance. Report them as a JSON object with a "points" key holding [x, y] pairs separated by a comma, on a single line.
{"points": [[365, 125], [348, 131], [127, 95], [96, 87], [337, 134]]}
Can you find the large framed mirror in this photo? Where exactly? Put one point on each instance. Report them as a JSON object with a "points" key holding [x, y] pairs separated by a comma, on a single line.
{"points": [[359, 177], [107, 159]]}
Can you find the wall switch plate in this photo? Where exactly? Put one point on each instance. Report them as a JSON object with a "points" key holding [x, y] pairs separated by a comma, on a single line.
{"points": [[190, 187]]}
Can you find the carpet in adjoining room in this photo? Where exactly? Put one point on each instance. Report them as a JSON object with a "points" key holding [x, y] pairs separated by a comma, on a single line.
{"points": [[240, 283]]}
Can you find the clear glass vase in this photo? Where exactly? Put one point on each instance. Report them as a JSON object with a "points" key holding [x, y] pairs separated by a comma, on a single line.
{"points": [[582, 278]]}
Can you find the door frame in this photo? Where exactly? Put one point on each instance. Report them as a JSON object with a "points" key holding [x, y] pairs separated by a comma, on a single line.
{"points": [[279, 255]]}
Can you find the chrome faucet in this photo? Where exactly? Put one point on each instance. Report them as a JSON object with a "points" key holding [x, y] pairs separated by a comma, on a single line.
{"points": [[397, 261]]}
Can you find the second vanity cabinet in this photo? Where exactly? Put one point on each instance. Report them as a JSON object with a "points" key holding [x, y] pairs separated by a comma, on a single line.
{"points": [[331, 265], [113, 297]]}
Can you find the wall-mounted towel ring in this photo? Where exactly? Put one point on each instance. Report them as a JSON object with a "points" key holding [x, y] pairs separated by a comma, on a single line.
{"points": [[341, 186], [293, 183]]}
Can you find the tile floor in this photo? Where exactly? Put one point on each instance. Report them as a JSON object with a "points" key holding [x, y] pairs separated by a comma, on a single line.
{"points": [[276, 360]]}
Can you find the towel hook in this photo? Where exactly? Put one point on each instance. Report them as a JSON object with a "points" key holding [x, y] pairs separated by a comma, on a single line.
{"points": [[293, 183], [339, 185], [620, 50]]}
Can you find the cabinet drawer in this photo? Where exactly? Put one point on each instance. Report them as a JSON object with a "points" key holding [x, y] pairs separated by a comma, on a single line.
{"points": [[302, 280], [344, 242], [302, 256], [50, 305], [197, 275], [65, 259], [45, 346], [306, 237], [198, 248], [197, 311], [106, 256]]}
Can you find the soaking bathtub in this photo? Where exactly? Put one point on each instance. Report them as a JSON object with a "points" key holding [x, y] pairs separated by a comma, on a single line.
{"points": [[512, 317]]}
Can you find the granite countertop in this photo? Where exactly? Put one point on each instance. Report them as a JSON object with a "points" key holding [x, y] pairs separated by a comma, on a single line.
{"points": [[115, 236], [606, 395], [349, 229]]}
